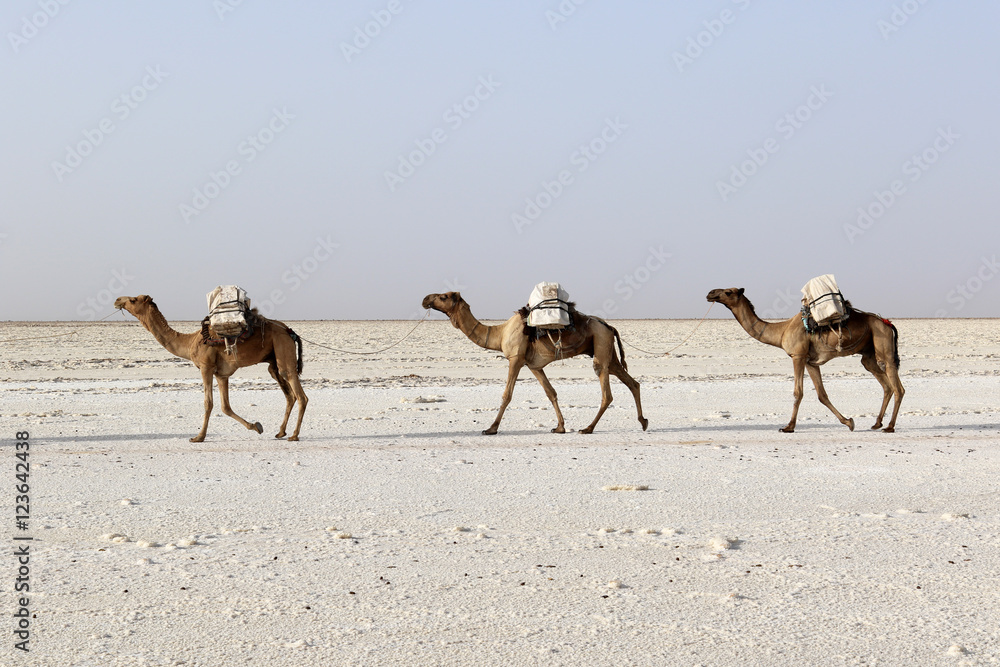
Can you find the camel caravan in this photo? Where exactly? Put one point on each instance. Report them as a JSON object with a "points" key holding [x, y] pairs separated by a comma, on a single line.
{"points": [[548, 329]]}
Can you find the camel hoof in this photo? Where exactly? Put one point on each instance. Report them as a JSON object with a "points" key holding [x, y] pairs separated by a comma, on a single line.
{"points": [[198, 438], [787, 429], [877, 426], [490, 431], [589, 429], [644, 422], [280, 435], [559, 429], [850, 423], [257, 427], [293, 438], [888, 429]]}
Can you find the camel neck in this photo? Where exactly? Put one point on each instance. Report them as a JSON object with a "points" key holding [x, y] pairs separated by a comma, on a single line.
{"points": [[165, 335], [484, 336], [766, 332]]}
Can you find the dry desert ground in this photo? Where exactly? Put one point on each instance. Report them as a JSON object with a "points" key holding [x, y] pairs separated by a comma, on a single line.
{"points": [[394, 533]]}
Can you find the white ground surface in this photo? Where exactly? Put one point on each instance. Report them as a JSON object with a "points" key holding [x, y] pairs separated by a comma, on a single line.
{"points": [[395, 534]]}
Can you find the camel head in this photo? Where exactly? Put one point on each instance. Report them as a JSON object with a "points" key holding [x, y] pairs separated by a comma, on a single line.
{"points": [[445, 303], [727, 297], [134, 304]]}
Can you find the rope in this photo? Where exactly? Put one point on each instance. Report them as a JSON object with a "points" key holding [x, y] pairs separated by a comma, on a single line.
{"points": [[327, 347], [75, 331], [700, 322], [71, 333]]}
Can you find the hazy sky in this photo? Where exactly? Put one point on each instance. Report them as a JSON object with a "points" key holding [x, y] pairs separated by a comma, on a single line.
{"points": [[342, 160]]}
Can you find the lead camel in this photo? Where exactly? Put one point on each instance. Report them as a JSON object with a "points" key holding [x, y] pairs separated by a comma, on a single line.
{"points": [[273, 344]]}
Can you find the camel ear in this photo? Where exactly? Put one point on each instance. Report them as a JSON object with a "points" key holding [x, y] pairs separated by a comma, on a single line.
{"points": [[739, 292]]}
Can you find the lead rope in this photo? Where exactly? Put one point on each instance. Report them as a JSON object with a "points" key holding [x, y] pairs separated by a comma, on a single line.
{"points": [[71, 333], [557, 344], [327, 347], [700, 322]]}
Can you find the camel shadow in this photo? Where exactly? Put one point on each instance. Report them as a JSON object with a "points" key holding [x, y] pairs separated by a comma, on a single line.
{"points": [[454, 434], [116, 437], [971, 428], [720, 427]]}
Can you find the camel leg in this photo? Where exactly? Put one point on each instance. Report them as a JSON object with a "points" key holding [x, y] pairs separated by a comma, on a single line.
{"points": [[798, 370], [228, 410], [300, 395], [605, 377], [897, 388], [508, 392], [206, 379], [872, 367], [272, 368], [551, 393], [619, 372], [823, 398], [287, 370]]}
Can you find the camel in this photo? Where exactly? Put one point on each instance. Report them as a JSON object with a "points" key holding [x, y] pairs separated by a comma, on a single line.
{"points": [[591, 336], [273, 343], [867, 334]]}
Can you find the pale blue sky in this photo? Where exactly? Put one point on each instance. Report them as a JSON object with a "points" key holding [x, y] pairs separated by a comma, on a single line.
{"points": [[309, 119]]}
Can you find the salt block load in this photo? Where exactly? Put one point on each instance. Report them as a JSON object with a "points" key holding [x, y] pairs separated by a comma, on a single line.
{"points": [[823, 299], [228, 309], [548, 307]]}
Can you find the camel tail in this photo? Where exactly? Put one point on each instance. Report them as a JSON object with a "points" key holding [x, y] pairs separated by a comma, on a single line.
{"points": [[298, 346], [621, 350], [895, 342]]}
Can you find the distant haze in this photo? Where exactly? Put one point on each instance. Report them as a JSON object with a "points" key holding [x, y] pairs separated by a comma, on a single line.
{"points": [[342, 160]]}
